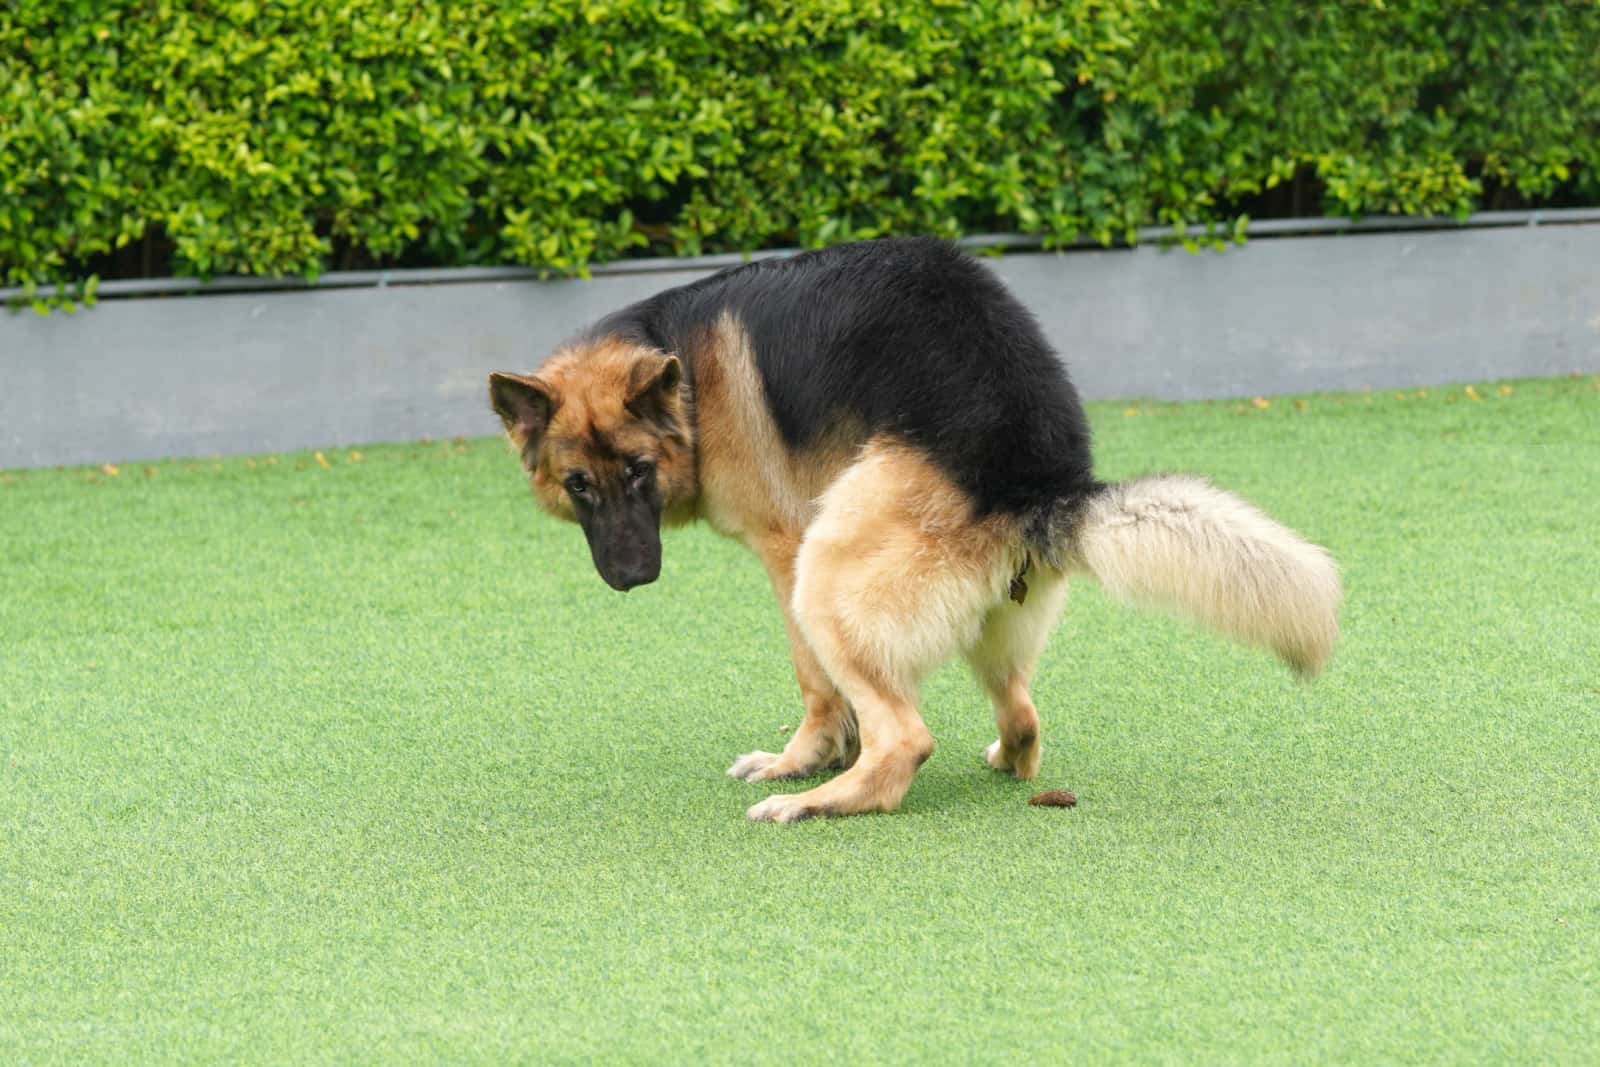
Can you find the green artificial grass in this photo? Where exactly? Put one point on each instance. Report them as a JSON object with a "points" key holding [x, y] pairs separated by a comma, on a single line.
{"points": [[355, 759]]}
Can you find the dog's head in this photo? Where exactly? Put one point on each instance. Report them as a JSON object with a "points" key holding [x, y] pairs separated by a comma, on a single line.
{"points": [[604, 434]]}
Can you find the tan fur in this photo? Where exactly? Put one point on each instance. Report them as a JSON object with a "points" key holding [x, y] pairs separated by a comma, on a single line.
{"points": [[1179, 543], [1004, 659], [755, 488], [884, 571], [894, 577], [752, 484], [826, 736], [588, 386]]}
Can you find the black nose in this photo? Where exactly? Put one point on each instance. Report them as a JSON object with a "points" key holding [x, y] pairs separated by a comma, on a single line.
{"points": [[624, 580]]}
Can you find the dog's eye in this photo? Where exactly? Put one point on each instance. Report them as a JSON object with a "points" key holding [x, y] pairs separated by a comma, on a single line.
{"points": [[637, 471], [577, 484]]}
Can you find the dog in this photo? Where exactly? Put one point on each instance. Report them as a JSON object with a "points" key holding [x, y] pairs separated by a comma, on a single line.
{"points": [[888, 430]]}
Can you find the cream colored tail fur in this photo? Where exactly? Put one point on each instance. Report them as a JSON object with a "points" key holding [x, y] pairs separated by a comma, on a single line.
{"points": [[1180, 543]]}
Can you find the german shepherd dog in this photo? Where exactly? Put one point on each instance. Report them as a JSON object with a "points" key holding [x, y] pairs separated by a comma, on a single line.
{"points": [[887, 429]]}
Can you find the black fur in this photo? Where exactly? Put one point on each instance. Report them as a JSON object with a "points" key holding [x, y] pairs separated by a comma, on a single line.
{"points": [[622, 523], [910, 336]]}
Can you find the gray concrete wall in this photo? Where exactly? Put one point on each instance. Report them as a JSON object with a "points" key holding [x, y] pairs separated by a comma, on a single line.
{"points": [[264, 371]]}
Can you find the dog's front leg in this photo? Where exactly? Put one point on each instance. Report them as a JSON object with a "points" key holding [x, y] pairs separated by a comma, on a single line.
{"points": [[826, 736]]}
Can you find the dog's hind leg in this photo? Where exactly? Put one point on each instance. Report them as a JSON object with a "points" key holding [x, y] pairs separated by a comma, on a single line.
{"points": [[826, 736], [894, 577], [1003, 660]]}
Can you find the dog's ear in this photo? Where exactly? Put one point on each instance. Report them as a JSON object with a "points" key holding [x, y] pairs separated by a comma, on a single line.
{"points": [[524, 405], [653, 385]]}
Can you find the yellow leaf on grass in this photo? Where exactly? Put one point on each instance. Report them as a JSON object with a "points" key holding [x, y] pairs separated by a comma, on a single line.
{"points": [[109, 469], [1506, 390], [322, 461], [1473, 393], [1130, 412], [1261, 402], [1300, 405]]}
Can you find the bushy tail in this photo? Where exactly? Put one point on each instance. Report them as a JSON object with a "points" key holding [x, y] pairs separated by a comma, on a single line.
{"points": [[1180, 543]]}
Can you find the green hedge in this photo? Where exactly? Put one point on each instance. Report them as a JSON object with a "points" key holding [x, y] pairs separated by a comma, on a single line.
{"points": [[287, 136]]}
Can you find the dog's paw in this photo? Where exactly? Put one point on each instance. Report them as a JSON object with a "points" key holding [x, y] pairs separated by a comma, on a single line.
{"points": [[783, 807], [1024, 765], [764, 767], [753, 766]]}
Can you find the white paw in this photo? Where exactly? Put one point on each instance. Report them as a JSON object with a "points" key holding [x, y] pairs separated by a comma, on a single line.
{"points": [[766, 766], [754, 766], [1025, 766], [783, 807]]}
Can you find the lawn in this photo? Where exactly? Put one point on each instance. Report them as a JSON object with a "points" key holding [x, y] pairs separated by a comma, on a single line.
{"points": [[352, 757]]}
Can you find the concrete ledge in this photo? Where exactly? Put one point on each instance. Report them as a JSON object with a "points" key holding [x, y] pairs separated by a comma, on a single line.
{"points": [[1257, 230], [323, 366]]}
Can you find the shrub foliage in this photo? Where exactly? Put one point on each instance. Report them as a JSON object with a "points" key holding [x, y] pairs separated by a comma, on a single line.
{"points": [[288, 136]]}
